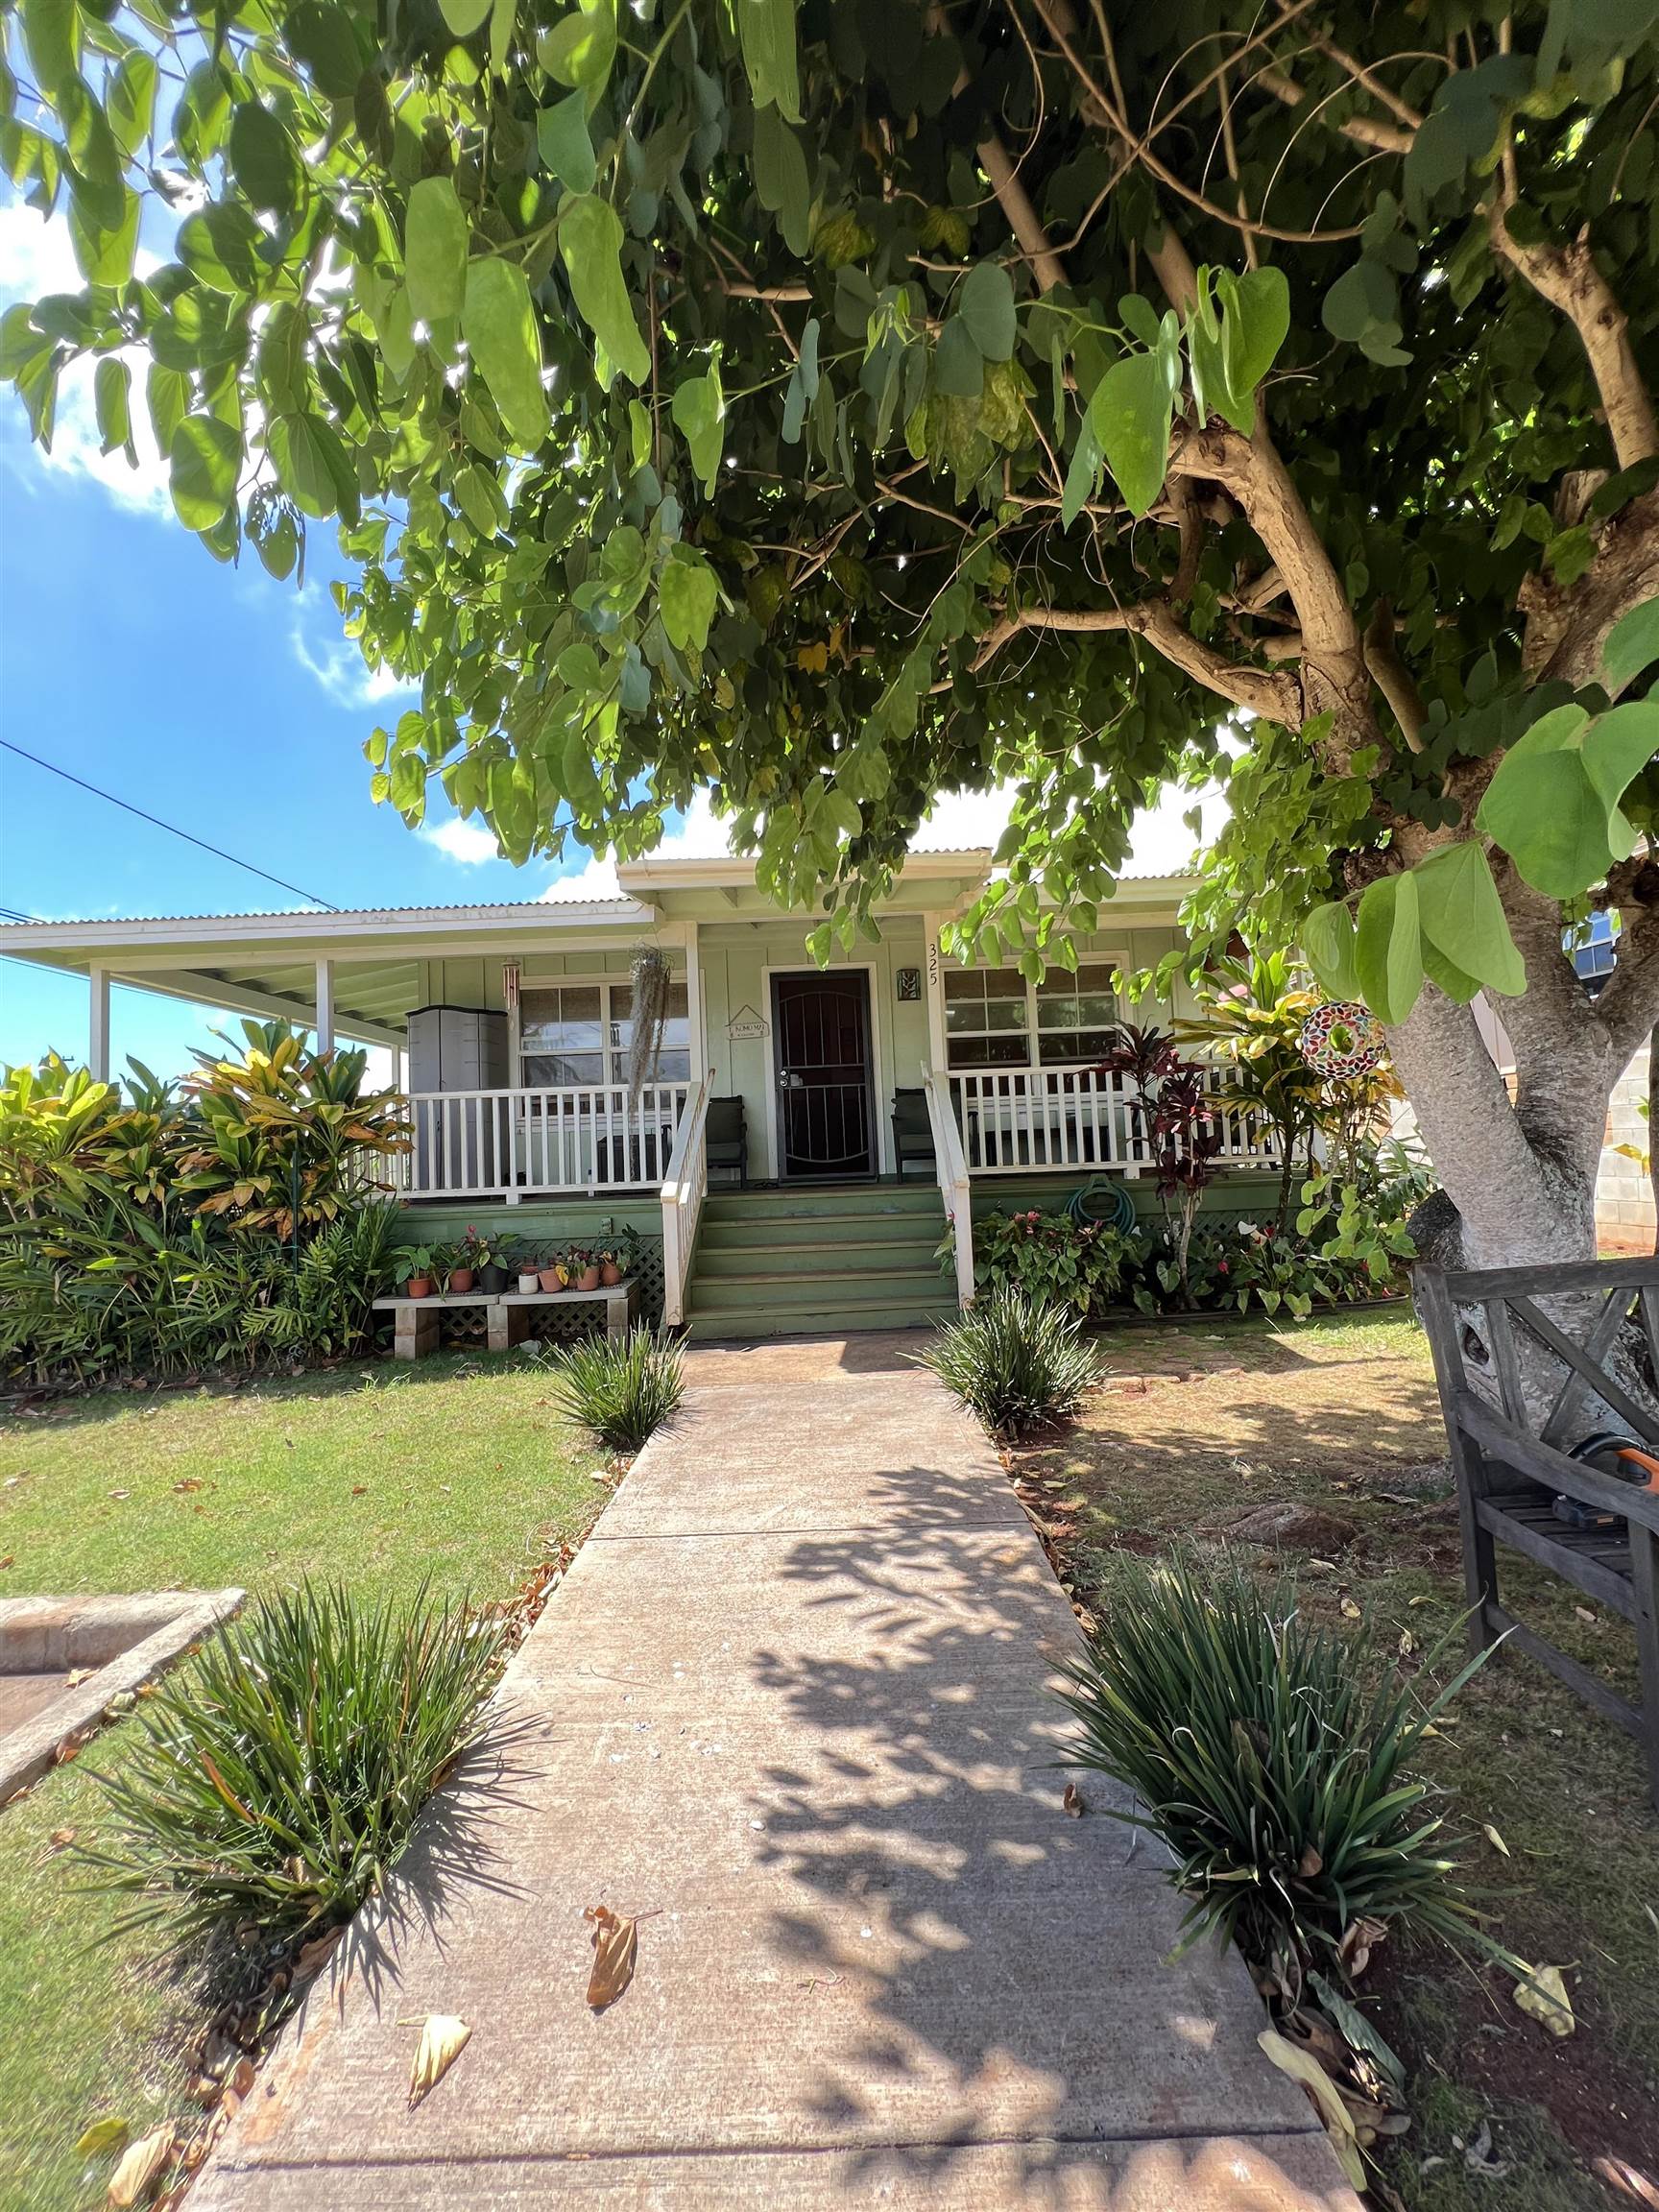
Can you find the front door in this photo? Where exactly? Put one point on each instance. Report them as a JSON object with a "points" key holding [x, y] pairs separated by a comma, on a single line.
{"points": [[822, 1068]]}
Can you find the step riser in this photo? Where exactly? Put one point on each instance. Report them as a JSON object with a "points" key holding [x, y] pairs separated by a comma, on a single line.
{"points": [[788, 1205], [893, 1230], [827, 1323], [796, 1295], [842, 1260]]}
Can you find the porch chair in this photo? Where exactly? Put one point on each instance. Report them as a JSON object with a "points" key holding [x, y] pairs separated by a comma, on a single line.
{"points": [[1518, 1481], [912, 1130], [726, 1140]]}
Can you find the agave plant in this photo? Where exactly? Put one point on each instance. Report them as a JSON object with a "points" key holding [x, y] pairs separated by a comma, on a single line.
{"points": [[280, 1774], [620, 1390], [1019, 1361]]}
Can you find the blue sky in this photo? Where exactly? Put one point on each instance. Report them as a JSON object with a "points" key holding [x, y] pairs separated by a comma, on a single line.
{"points": [[213, 697]]}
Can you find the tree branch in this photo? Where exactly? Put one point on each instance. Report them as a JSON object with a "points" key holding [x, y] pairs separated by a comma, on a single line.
{"points": [[1270, 693], [1568, 277], [1629, 1003], [1394, 680], [1386, 137]]}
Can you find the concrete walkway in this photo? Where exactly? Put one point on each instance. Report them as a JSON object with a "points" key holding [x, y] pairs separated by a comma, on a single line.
{"points": [[791, 1703]]}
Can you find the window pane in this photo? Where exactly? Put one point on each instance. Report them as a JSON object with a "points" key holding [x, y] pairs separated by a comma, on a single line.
{"points": [[1008, 1051], [554, 1071], [1056, 1013], [1005, 1014], [1067, 1048], [961, 983], [1004, 983]]}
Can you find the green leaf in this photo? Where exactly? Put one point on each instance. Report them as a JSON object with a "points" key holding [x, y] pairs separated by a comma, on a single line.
{"points": [[1328, 945], [781, 178], [498, 323], [1130, 413], [263, 158], [563, 143], [1388, 949], [1255, 322], [766, 34], [112, 400], [580, 49], [480, 499], [463, 17], [105, 253], [435, 238], [1463, 916], [958, 365], [204, 459], [699, 412], [685, 595], [986, 309], [1552, 805], [131, 102], [310, 462], [591, 245], [503, 20], [221, 246], [1632, 645], [1616, 748], [325, 38], [52, 38]]}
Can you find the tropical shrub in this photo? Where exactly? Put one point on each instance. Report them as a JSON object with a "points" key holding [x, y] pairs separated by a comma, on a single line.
{"points": [[1174, 1120], [1019, 1361], [1274, 1758], [279, 1773], [155, 1229], [621, 1391], [1085, 1265]]}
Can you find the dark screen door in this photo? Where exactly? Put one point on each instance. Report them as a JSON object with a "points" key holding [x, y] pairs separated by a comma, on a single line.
{"points": [[821, 1032]]}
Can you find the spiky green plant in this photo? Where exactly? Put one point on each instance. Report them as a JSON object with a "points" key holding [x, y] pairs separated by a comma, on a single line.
{"points": [[280, 1772], [1019, 1361], [619, 1390], [1274, 1758]]}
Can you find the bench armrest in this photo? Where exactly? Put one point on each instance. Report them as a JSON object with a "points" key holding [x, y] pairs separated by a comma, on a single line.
{"points": [[1500, 1439]]}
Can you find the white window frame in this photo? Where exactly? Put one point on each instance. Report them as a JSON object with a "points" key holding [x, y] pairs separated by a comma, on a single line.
{"points": [[1113, 958], [610, 1054]]}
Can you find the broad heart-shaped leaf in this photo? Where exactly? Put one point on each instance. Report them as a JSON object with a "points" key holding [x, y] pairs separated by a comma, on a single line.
{"points": [[1130, 413], [435, 251], [1556, 815], [498, 323], [1462, 917], [767, 32], [221, 246], [987, 308], [685, 597], [781, 181], [1632, 645], [958, 365], [205, 457], [263, 160], [309, 461], [581, 47], [463, 17], [1255, 322], [699, 412], [590, 243], [1616, 748], [1328, 945], [564, 144], [1388, 949]]}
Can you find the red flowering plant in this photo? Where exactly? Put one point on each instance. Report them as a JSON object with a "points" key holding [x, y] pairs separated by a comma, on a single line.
{"points": [[1084, 1265]]}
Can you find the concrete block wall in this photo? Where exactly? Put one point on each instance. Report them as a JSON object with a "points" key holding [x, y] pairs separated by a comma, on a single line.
{"points": [[1624, 1195]]}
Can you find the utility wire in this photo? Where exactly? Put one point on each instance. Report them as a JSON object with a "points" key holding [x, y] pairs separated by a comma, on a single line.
{"points": [[156, 821]]}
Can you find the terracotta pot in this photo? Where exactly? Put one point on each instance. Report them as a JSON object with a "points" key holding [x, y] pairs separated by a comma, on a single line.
{"points": [[529, 1281], [610, 1273], [588, 1278], [418, 1286], [552, 1278], [493, 1280], [460, 1277]]}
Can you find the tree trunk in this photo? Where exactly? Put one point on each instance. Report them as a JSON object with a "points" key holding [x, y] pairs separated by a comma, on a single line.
{"points": [[1652, 1122]]}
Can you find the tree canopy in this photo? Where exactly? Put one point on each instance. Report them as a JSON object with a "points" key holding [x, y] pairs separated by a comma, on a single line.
{"points": [[841, 405]]}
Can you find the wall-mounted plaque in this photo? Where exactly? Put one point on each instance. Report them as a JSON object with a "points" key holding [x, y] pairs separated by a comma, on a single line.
{"points": [[907, 984]]}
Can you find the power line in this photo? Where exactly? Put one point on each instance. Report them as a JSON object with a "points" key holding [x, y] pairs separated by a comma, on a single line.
{"points": [[10, 914], [156, 822]]}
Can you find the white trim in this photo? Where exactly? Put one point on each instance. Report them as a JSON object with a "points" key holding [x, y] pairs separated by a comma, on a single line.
{"points": [[325, 1022], [933, 985], [605, 983], [883, 1136], [694, 1004], [98, 1023], [702, 871], [135, 932]]}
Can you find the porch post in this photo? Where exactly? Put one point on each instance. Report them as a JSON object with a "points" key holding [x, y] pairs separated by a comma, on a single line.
{"points": [[397, 1067], [935, 987], [98, 1023], [694, 1004], [324, 1004]]}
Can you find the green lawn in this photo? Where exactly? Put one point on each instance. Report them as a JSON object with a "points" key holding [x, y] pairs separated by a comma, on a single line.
{"points": [[454, 1470]]}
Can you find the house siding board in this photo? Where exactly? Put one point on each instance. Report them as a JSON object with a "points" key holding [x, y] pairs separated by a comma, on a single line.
{"points": [[1238, 1193]]}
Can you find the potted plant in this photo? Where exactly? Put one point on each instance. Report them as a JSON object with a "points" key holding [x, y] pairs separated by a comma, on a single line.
{"points": [[554, 1274], [584, 1267], [628, 1250], [494, 1261], [465, 1261], [416, 1265], [610, 1266], [529, 1274]]}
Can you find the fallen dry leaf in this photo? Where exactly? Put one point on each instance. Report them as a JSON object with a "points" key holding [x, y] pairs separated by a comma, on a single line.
{"points": [[444, 2036], [615, 1949], [1351, 1611], [105, 2134], [76, 1676], [1071, 1801], [140, 2167], [313, 1954], [1359, 1938], [61, 1836], [1494, 1838], [1543, 1996], [1302, 2066], [1626, 2181]]}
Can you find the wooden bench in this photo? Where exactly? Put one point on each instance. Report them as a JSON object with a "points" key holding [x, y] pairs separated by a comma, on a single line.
{"points": [[1511, 1465], [507, 1315]]}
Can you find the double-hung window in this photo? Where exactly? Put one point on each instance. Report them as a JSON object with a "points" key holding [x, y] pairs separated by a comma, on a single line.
{"points": [[994, 1019], [574, 1035]]}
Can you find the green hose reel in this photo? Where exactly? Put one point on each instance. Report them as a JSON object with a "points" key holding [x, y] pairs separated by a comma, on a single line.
{"points": [[1103, 1199]]}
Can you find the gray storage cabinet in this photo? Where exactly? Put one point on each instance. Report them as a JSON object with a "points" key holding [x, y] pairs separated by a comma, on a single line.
{"points": [[460, 1147]]}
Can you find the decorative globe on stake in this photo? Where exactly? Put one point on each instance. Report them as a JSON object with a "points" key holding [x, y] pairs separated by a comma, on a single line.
{"points": [[1343, 1040]]}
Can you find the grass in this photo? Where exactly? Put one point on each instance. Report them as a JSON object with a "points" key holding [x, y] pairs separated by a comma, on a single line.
{"points": [[457, 1471], [1193, 1427]]}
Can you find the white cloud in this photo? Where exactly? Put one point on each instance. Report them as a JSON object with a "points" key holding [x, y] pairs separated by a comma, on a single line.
{"points": [[701, 836], [345, 676], [469, 843], [36, 260]]}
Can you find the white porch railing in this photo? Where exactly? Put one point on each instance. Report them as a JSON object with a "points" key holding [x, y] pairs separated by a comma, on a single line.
{"points": [[954, 1188], [684, 1188], [518, 1145], [1017, 1119]]}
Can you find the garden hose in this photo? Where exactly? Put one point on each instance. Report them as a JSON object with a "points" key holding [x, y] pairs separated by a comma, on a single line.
{"points": [[1102, 1200]]}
